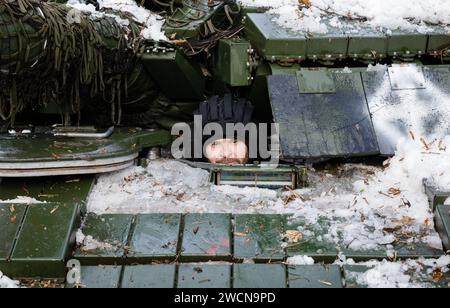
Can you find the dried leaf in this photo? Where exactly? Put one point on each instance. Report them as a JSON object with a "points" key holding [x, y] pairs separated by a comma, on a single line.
{"points": [[394, 191], [289, 199], [437, 275], [12, 209], [306, 3], [54, 209], [327, 283], [293, 236], [425, 145], [180, 197], [13, 219], [405, 220]]}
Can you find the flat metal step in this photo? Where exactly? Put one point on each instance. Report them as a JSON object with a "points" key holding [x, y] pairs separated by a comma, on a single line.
{"points": [[358, 112]]}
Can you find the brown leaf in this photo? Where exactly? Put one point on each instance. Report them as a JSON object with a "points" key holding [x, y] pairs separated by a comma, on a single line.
{"points": [[425, 145], [394, 191], [289, 199], [306, 3], [437, 275], [405, 220], [12, 209], [180, 197], [293, 236], [13, 219]]}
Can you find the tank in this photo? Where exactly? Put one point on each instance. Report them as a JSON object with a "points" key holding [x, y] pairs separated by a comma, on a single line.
{"points": [[283, 99]]}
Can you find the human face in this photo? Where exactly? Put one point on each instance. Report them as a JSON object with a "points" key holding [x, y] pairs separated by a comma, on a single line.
{"points": [[227, 151]]}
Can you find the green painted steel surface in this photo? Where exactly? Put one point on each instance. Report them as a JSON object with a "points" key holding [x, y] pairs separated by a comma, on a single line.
{"points": [[204, 276], [177, 76], [42, 147], [436, 196], [443, 224], [316, 82], [315, 276], [259, 276], [206, 236], [112, 233], [259, 237], [406, 45], [59, 189], [148, 276], [11, 217], [98, 277], [273, 42], [322, 125], [45, 240], [276, 43], [233, 66], [155, 236]]}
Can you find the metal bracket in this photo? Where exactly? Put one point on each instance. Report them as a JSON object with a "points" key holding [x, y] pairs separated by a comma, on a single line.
{"points": [[315, 82], [406, 77]]}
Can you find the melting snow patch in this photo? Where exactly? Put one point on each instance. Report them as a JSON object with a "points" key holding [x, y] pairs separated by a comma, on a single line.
{"points": [[23, 200], [402, 274], [377, 68], [300, 260], [152, 22], [7, 283], [87, 243], [357, 206], [407, 15]]}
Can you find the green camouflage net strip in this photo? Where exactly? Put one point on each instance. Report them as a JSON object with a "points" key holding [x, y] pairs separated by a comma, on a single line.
{"points": [[49, 52]]}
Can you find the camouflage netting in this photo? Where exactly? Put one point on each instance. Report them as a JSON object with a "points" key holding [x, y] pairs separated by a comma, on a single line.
{"points": [[50, 52]]}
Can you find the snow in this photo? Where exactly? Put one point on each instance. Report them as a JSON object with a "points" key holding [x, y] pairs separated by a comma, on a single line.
{"points": [[7, 283], [359, 207], [300, 260], [377, 68], [401, 274], [88, 243], [22, 200], [152, 22], [407, 15], [169, 186], [308, 20]]}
